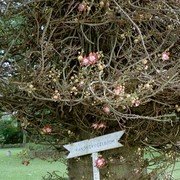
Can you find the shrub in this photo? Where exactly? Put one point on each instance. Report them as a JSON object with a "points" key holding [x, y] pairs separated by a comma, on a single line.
{"points": [[9, 133]]}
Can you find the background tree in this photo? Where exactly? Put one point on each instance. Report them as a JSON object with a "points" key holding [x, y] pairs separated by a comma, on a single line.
{"points": [[10, 131], [75, 70]]}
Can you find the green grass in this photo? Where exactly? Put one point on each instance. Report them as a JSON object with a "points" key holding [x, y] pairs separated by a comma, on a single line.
{"points": [[11, 168], [173, 170]]}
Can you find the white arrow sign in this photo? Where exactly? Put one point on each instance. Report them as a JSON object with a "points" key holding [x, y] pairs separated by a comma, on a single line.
{"points": [[101, 143], [92, 146]]}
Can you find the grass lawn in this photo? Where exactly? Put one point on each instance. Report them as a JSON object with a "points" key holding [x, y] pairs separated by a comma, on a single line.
{"points": [[11, 168], [173, 170], [176, 171]]}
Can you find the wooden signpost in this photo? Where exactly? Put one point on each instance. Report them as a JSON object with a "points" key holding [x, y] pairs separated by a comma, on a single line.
{"points": [[93, 146]]}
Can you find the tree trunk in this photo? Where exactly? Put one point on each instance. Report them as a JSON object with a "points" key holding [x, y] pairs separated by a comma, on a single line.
{"points": [[122, 164]]}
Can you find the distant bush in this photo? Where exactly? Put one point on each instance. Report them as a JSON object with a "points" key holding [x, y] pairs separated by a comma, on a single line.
{"points": [[10, 133], [1, 139]]}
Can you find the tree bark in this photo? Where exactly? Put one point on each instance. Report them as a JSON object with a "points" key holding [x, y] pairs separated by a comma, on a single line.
{"points": [[122, 164]]}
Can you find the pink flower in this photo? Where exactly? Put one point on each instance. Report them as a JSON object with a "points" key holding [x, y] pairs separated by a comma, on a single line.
{"points": [[99, 126], [82, 7], [100, 162], [92, 58], [95, 125], [85, 61], [165, 56], [118, 90], [106, 109], [47, 129]]}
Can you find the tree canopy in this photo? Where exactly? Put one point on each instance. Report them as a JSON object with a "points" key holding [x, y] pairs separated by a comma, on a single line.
{"points": [[91, 67]]}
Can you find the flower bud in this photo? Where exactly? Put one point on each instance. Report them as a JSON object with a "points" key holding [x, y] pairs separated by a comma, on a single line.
{"points": [[165, 56], [106, 109]]}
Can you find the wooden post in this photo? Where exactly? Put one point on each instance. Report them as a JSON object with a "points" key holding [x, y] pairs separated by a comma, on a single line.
{"points": [[96, 174]]}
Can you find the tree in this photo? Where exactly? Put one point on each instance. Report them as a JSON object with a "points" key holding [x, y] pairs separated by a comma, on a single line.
{"points": [[77, 70]]}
